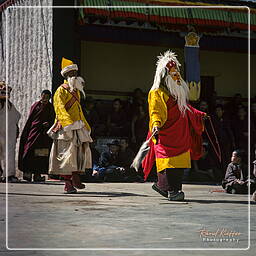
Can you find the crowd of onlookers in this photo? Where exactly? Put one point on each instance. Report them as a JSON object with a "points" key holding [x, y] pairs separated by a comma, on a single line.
{"points": [[119, 128], [124, 125], [225, 131], [118, 118]]}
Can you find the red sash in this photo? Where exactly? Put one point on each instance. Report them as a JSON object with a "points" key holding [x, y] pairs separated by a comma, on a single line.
{"points": [[68, 105], [180, 133]]}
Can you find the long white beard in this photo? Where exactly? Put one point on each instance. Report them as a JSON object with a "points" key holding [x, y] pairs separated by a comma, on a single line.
{"points": [[76, 83], [179, 92]]}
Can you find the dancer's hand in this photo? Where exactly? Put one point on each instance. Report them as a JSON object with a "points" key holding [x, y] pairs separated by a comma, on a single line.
{"points": [[240, 182], [205, 117], [155, 130]]}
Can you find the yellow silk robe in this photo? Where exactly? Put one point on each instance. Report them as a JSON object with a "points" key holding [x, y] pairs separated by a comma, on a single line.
{"points": [[157, 100], [75, 113]]}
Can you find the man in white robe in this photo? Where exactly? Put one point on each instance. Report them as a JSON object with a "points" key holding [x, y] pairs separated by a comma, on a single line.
{"points": [[8, 168]]}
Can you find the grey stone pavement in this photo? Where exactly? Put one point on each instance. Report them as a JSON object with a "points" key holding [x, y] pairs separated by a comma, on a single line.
{"points": [[124, 219]]}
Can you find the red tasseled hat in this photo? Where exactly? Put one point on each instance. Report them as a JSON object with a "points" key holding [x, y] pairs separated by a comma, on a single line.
{"points": [[171, 64]]}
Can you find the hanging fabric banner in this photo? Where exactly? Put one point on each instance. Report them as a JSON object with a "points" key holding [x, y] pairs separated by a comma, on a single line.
{"points": [[192, 64]]}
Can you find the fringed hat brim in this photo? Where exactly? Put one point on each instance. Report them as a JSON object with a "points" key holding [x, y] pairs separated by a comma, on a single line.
{"points": [[69, 68]]}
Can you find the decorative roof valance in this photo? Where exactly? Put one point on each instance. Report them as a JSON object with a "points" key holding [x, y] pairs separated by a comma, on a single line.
{"points": [[172, 12]]}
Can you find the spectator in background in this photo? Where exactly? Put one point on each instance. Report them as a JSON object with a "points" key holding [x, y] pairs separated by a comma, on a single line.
{"points": [[126, 154], [95, 153], [138, 99], [108, 168], [212, 102], [233, 105], [90, 175], [224, 134], [35, 144], [139, 127], [253, 112], [125, 159], [206, 168], [236, 181], [203, 106], [114, 164], [240, 128], [13, 133], [92, 116], [117, 120]]}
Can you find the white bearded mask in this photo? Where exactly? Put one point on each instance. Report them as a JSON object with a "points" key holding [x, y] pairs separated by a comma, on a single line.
{"points": [[178, 88], [179, 92], [76, 83]]}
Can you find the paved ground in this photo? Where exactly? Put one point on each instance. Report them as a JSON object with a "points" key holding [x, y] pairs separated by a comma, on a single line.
{"points": [[107, 218]]}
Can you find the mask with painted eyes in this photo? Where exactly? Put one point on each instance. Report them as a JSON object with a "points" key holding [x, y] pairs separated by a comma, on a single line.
{"points": [[175, 74]]}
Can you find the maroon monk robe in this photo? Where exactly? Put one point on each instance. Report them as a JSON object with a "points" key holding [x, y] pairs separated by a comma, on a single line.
{"points": [[34, 137]]}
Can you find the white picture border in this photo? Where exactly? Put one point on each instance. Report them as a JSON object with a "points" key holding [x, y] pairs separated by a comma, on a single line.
{"points": [[127, 249]]}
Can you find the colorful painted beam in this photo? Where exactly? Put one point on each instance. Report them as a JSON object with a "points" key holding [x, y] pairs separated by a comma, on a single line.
{"points": [[234, 18]]}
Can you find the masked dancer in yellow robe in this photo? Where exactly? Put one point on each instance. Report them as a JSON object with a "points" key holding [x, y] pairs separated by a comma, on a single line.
{"points": [[176, 125], [70, 153]]}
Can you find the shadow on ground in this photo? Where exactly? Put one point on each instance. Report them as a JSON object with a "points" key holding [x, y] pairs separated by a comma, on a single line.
{"points": [[79, 194], [207, 201]]}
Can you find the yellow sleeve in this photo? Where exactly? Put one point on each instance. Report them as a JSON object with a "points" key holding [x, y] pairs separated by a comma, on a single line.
{"points": [[61, 97], [157, 108]]}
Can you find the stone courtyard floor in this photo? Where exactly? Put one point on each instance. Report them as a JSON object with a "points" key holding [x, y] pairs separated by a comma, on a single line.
{"points": [[124, 219]]}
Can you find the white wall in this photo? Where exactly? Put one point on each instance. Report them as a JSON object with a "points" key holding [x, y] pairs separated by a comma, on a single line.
{"points": [[123, 67], [27, 56]]}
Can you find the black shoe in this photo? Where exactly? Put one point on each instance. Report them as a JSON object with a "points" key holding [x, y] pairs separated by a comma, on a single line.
{"points": [[38, 178], [160, 191], [55, 177], [11, 179], [27, 176], [176, 196]]}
